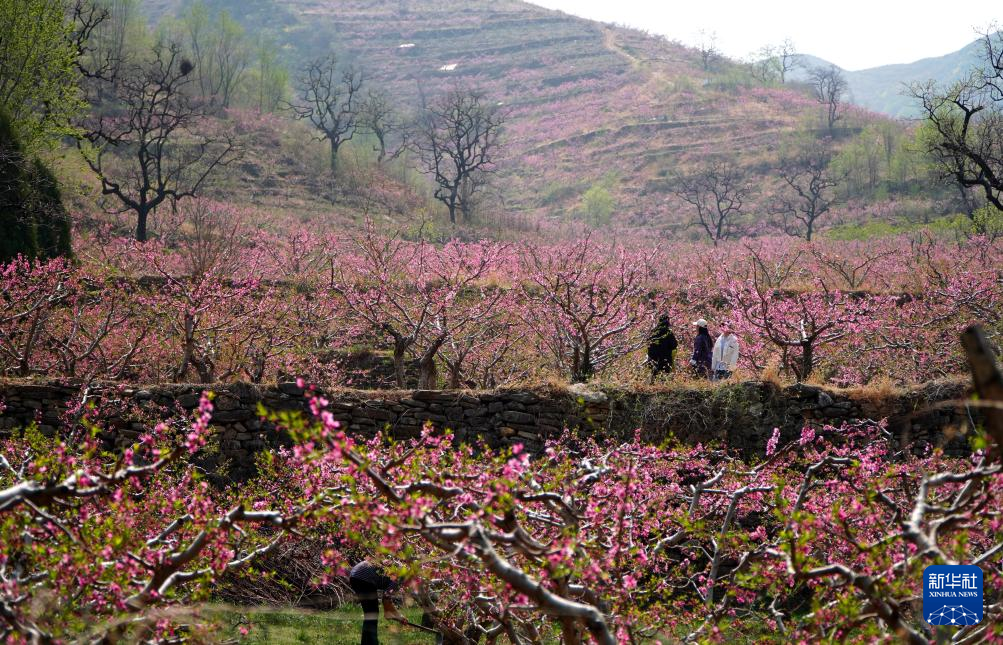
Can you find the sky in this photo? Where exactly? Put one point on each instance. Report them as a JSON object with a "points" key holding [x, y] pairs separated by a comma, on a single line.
{"points": [[854, 34]]}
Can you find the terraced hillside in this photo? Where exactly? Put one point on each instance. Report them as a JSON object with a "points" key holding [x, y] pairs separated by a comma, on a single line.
{"points": [[589, 103]]}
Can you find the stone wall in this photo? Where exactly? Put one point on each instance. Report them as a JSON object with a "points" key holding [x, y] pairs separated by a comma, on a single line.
{"points": [[743, 415], [740, 415]]}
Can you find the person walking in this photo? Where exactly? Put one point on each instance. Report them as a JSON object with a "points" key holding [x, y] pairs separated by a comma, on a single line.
{"points": [[703, 347], [662, 346], [368, 582], [724, 358]]}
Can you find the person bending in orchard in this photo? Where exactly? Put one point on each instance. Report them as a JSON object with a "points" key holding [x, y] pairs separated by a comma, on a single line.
{"points": [[368, 583]]}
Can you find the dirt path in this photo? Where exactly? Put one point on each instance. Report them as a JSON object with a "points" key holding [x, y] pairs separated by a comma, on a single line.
{"points": [[641, 65], [609, 42]]}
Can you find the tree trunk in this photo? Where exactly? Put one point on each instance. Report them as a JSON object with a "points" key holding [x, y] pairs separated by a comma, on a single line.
{"points": [[967, 202], [575, 366], [452, 205], [24, 366], [334, 158], [205, 367], [588, 370], [581, 365], [186, 356], [454, 379], [141, 225], [257, 374], [807, 359], [987, 380], [428, 373], [400, 350]]}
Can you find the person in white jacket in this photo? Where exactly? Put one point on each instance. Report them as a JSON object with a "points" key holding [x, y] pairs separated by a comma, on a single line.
{"points": [[724, 359]]}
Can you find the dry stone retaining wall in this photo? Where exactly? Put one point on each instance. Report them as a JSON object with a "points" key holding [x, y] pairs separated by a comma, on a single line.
{"points": [[740, 415]]}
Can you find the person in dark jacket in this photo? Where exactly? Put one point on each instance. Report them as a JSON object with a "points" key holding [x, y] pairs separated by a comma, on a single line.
{"points": [[368, 582], [662, 346], [703, 349]]}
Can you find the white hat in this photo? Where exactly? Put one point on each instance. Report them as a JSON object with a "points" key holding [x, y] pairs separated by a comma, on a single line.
{"points": [[700, 322]]}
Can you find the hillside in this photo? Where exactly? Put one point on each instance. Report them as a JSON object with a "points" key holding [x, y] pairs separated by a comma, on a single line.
{"points": [[590, 105]]}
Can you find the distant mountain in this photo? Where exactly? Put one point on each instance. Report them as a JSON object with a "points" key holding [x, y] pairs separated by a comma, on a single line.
{"points": [[884, 88]]}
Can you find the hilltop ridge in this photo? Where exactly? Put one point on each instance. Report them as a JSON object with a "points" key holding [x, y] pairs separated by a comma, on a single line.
{"points": [[884, 88]]}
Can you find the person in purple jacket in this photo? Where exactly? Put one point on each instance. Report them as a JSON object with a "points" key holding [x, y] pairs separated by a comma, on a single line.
{"points": [[703, 349]]}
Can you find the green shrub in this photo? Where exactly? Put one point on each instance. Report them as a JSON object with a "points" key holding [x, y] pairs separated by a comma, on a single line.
{"points": [[32, 217], [988, 221], [865, 231], [598, 205]]}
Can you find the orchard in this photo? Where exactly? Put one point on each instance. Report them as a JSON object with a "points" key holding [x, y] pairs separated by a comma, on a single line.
{"points": [[825, 538], [207, 305], [821, 539], [464, 252]]}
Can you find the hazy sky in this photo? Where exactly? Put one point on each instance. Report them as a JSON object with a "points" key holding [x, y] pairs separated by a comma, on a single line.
{"points": [[854, 34]]}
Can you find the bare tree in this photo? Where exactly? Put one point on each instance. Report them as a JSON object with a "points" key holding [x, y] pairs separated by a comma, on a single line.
{"points": [[830, 89], [788, 58], [771, 63], [207, 238], [329, 99], [967, 124], [231, 57], [102, 32], [220, 50], [163, 154], [764, 64], [717, 188], [87, 19], [270, 77], [457, 141], [709, 53], [808, 193], [377, 116], [852, 271]]}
